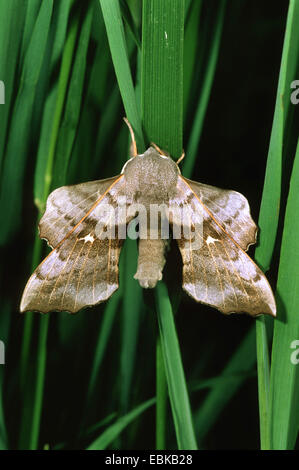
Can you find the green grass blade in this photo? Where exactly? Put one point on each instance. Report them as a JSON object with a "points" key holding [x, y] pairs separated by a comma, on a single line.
{"points": [[268, 218], [104, 129], [270, 205], [188, 164], [263, 370], [213, 382], [46, 154], [11, 25], [104, 422], [46, 127], [40, 382], [191, 40], [4, 335], [32, 10], [284, 372], [43, 183], [128, 17], [50, 103], [16, 153], [116, 37], [162, 73], [161, 394], [177, 387], [69, 123], [162, 114], [108, 436], [131, 317], [104, 334], [28, 321], [241, 362]]}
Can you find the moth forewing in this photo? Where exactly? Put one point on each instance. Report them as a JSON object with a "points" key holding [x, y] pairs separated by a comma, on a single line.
{"points": [[86, 225], [67, 206], [82, 269], [230, 209], [220, 273]]}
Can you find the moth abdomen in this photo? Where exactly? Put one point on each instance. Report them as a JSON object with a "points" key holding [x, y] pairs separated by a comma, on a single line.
{"points": [[151, 261]]}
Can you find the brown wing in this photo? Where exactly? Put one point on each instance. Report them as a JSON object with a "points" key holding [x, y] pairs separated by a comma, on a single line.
{"points": [[67, 205], [82, 270], [231, 209], [216, 271]]}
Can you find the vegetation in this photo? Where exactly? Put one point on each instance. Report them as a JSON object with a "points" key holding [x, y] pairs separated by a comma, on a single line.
{"points": [[198, 74]]}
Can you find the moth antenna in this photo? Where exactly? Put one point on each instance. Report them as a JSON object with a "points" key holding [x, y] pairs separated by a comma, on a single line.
{"points": [[181, 158], [134, 152], [158, 149]]}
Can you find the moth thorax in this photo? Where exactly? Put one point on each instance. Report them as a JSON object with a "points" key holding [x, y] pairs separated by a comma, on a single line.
{"points": [[151, 177]]}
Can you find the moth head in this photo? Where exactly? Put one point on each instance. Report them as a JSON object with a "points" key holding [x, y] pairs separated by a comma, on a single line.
{"points": [[151, 176]]}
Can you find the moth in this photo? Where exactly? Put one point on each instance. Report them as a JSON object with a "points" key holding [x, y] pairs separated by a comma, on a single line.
{"points": [[82, 268]]}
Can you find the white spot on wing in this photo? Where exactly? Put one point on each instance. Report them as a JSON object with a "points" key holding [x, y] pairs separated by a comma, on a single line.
{"points": [[211, 240], [88, 238]]}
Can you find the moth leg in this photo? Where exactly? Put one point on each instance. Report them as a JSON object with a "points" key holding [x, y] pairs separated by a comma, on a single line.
{"points": [[151, 261], [133, 152]]}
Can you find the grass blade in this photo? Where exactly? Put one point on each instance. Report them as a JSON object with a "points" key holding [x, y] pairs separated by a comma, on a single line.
{"points": [[191, 41], [106, 326], [16, 153], [162, 73], [131, 317], [69, 123], [241, 363], [108, 436], [40, 382], [205, 94], [43, 183], [46, 126], [31, 15], [162, 114], [116, 37], [45, 159], [284, 372], [177, 387], [11, 25], [161, 393], [128, 17], [263, 371], [268, 218], [4, 332]]}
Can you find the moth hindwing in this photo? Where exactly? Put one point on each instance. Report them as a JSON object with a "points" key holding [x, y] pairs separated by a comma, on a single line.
{"points": [[86, 225]]}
